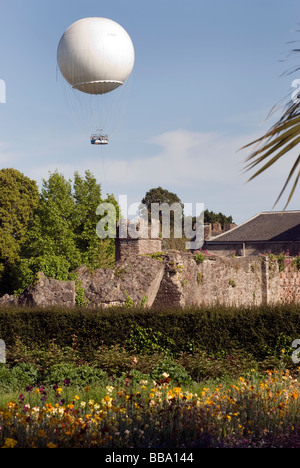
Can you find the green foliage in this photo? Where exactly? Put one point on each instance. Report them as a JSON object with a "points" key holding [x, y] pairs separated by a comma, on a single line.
{"points": [[296, 262], [203, 364], [284, 259], [52, 233], [62, 233], [53, 266], [232, 283], [156, 255], [80, 298], [144, 301], [211, 217], [148, 341], [129, 302], [81, 375], [144, 331], [160, 196], [18, 200], [50, 345], [114, 360], [18, 377], [200, 257], [168, 368]]}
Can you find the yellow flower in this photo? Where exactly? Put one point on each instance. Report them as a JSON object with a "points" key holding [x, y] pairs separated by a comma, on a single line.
{"points": [[9, 443], [107, 400], [51, 445]]}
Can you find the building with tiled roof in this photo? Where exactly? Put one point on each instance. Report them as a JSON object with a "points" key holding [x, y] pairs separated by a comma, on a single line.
{"points": [[272, 231]]}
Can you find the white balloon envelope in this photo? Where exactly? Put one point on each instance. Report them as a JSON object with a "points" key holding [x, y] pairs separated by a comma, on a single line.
{"points": [[95, 55]]}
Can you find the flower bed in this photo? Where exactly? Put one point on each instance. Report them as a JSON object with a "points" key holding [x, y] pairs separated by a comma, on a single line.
{"points": [[256, 411]]}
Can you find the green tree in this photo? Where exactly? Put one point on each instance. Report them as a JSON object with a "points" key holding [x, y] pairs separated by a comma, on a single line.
{"points": [[160, 196], [110, 242], [19, 198], [211, 217], [173, 219], [95, 252], [87, 196], [63, 233], [52, 233]]}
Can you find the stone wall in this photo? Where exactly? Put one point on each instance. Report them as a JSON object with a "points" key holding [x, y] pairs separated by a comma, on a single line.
{"points": [[136, 279], [134, 239], [130, 248], [289, 285], [45, 292], [171, 279], [217, 280], [228, 281]]}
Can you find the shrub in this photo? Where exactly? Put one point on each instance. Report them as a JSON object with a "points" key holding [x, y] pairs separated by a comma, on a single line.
{"points": [[77, 375], [200, 257], [114, 360], [18, 377], [163, 330], [172, 370], [148, 341]]}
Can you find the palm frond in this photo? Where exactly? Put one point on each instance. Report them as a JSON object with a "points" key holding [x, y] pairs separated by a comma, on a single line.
{"points": [[280, 139]]}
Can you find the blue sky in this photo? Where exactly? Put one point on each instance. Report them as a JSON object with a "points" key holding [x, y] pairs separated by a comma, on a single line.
{"points": [[206, 75]]}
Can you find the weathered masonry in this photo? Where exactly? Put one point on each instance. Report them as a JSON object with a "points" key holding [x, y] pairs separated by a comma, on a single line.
{"points": [[145, 275]]}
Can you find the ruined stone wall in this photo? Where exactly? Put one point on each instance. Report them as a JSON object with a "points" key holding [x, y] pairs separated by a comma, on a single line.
{"points": [[136, 279], [289, 285], [130, 248], [216, 280], [241, 281], [172, 279]]}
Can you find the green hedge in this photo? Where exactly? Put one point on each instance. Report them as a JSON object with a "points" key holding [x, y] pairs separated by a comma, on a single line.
{"points": [[214, 329]]}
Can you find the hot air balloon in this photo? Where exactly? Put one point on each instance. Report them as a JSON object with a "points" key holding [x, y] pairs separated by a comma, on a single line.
{"points": [[95, 56]]}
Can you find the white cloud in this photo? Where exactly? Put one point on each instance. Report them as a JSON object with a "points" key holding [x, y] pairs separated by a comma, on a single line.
{"points": [[183, 158], [197, 166]]}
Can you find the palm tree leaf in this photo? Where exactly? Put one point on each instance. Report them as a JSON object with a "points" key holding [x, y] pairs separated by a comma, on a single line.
{"points": [[288, 180], [293, 190], [276, 157], [274, 147], [281, 138]]}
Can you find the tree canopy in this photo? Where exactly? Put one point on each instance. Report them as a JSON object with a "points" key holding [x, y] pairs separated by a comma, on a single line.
{"points": [[211, 217], [53, 231], [19, 198]]}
